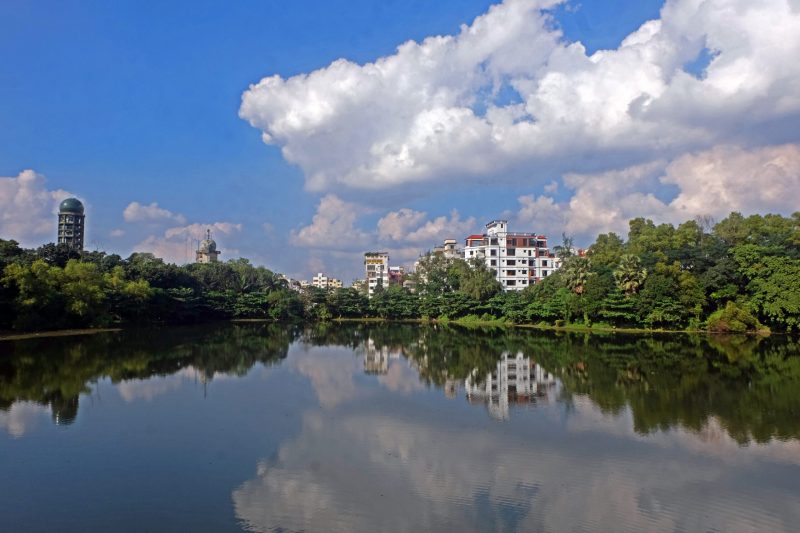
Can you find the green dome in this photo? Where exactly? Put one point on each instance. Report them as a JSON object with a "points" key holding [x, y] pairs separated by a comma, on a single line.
{"points": [[71, 205]]}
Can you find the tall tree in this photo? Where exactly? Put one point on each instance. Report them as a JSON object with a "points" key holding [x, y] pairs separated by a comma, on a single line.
{"points": [[630, 274]]}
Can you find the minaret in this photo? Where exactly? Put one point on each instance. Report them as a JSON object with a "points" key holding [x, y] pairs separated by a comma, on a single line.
{"points": [[71, 223], [207, 250]]}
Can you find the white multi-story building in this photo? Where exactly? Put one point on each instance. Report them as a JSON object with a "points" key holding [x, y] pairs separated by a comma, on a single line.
{"points": [[376, 268], [321, 281], [516, 380], [518, 259]]}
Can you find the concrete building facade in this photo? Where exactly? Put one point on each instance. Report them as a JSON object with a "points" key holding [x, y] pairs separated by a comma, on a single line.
{"points": [[518, 259], [71, 223]]}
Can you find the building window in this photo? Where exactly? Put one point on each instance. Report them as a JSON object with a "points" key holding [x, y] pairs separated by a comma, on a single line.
{"points": [[492, 252], [511, 262], [544, 273], [511, 282], [493, 262], [511, 272], [493, 241], [511, 251], [544, 262]]}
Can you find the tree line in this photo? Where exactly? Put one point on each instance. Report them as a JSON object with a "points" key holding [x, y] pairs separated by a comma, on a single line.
{"points": [[740, 274]]}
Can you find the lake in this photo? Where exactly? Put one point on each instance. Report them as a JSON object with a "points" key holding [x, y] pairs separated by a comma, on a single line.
{"points": [[370, 427]]}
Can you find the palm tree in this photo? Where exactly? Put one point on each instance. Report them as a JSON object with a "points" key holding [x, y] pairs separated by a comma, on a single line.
{"points": [[630, 275], [577, 271]]}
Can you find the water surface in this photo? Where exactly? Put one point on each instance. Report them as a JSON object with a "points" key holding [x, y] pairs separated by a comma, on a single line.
{"points": [[398, 428]]}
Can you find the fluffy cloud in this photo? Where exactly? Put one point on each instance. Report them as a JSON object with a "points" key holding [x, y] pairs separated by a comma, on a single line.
{"points": [[413, 227], [28, 208], [712, 182], [178, 244], [333, 226], [433, 111], [136, 212]]}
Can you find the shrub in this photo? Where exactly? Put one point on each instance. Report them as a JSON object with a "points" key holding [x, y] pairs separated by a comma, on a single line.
{"points": [[733, 319]]}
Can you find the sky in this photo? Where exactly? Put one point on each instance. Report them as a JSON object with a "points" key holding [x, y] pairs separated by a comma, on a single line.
{"points": [[305, 133]]}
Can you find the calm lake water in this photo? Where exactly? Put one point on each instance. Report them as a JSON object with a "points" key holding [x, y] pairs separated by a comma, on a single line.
{"points": [[398, 428]]}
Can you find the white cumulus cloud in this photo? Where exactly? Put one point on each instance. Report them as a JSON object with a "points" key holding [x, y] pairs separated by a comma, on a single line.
{"points": [[28, 208], [431, 111], [136, 212], [711, 182], [414, 227], [333, 226]]}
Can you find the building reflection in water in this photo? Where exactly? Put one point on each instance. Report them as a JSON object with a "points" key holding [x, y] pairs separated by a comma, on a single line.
{"points": [[376, 358], [516, 380]]}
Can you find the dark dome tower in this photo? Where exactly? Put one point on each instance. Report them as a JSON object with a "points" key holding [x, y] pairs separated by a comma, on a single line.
{"points": [[71, 223]]}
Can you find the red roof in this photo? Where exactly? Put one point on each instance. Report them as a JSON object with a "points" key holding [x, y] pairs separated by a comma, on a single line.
{"points": [[474, 237]]}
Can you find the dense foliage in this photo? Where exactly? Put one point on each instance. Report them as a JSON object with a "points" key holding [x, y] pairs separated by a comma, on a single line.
{"points": [[741, 274]]}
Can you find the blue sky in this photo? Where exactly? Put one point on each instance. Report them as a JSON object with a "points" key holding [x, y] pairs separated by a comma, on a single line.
{"points": [[121, 102]]}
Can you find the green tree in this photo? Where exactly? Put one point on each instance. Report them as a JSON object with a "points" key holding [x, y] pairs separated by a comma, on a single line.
{"points": [[576, 272], [773, 285], [618, 309], [630, 274], [476, 280], [606, 250]]}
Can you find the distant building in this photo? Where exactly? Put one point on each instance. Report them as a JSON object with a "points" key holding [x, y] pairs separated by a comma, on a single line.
{"points": [[376, 269], [515, 380], [321, 281], [396, 275], [71, 223], [449, 249], [517, 259], [207, 250], [360, 285]]}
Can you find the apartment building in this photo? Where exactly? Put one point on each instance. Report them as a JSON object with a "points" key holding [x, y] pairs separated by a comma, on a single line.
{"points": [[518, 259], [376, 270]]}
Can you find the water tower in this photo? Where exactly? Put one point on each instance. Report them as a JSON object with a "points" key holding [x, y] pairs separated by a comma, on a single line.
{"points": [[71, 223]]}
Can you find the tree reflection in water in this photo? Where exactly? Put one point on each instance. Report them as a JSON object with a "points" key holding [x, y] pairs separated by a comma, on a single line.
{"points": [[749, 385]]}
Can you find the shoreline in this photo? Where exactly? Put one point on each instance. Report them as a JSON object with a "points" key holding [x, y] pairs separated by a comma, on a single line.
{"points": [[10, 336], [7, 336]]}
